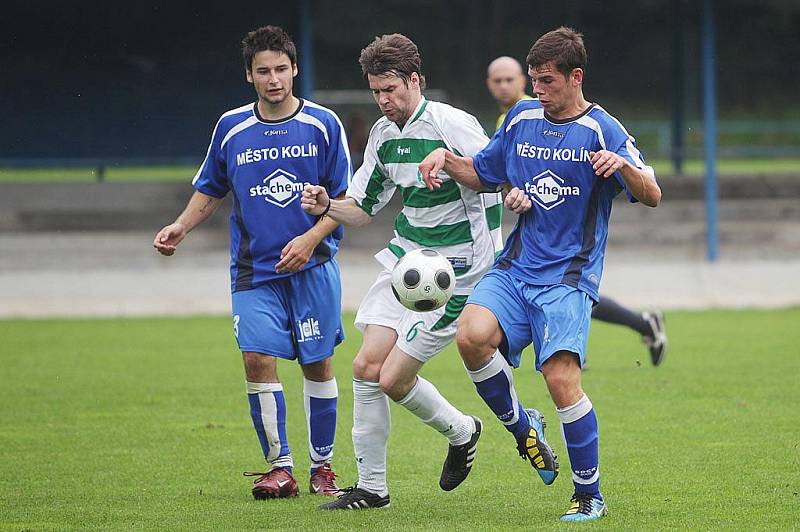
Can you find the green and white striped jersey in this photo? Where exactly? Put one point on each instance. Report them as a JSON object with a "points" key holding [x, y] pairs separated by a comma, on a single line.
{"points": [[458, 222]]}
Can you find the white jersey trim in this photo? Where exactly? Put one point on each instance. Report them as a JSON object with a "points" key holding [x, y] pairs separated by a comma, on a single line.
{"points": [[594, 125], [238, 128], [343, 136], [214, 133], [308, 119], [528, 114]]}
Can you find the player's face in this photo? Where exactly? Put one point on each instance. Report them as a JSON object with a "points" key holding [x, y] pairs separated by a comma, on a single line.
{"points": [[395, 97], [506, 85], [557, 93], [272, 74]]}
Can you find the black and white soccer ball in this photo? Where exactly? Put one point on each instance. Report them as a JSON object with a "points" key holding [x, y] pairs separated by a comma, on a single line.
{"points": [[423, 280]]}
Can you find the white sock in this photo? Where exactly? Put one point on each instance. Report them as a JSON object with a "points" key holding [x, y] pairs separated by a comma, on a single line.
{"points": [[268, 412], [371, 424], [425, 402]]}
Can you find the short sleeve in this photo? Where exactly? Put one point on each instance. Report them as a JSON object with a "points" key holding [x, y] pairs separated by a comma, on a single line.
{"points": [[623, 144], [490, 162], [211, 178], [338, 169], [464, 133], [371, 187]]}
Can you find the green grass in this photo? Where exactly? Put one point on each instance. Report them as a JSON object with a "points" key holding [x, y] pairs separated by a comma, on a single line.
{"points": [[88, 174], [696, 167], [143, 424], [692, 167]]}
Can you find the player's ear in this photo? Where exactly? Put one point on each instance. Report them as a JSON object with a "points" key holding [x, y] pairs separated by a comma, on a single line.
{"points": [[249, 75], [577, 76], [294, 70]]}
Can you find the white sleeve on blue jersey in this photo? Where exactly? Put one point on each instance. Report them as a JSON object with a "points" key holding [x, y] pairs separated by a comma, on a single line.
{"points": [[490, 162], [211, 178], [371, 186], [338, 168], [615, 138]]}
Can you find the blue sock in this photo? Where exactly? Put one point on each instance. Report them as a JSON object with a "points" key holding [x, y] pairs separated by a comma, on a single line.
{"points": [[495, 385], [579, 424], [268, 412], [320, 406]]}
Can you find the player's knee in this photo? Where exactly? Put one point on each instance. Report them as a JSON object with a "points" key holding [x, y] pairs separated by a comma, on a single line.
{"points": [[319, 371], [472, 342], [364, 369], [563, 381], [395, 386], [259, 367]]}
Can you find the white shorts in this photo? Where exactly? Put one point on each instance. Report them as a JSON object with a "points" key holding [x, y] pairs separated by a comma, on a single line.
{"points": [[422, 335]]}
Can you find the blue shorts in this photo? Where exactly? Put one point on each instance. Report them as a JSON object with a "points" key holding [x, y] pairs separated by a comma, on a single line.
{"points": [[554, 317], [296, 317]]}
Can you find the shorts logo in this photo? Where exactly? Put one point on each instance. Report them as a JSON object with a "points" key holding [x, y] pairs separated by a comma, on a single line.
{"points": [[307, 330], [280, 188], [548, 190], [413, 331]]}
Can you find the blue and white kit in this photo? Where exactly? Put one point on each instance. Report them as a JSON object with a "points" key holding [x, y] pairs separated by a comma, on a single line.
{"points": [[266, 164], [562, 239]]}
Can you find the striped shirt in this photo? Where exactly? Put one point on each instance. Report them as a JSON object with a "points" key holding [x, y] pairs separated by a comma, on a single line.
{"points": [[458, 222]]}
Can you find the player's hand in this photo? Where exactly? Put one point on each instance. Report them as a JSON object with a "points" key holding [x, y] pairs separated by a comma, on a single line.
{"points": [[430, 167], [167, 240], [605, 163], [314, 200], [517, 201], [296, 253]]}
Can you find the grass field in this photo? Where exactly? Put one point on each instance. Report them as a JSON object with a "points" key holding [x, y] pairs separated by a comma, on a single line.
{"points": [[692, 167], [143, 424]]}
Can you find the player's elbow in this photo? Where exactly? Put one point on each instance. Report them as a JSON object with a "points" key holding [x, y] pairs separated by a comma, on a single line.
{"points": [[361, 219], [653, 197]]}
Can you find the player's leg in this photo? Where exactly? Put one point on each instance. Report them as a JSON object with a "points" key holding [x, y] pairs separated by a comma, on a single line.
{"points": [[401, 382], [268, 414], [495, 320], [562, 329], [493, 379], [371, 420], [562, 373], [320, 394], [260, 322], [650, 325], [314, 301]]}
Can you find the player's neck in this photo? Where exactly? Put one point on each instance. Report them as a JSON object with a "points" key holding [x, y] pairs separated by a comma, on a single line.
{"points": [[279, 111], [574, 109], [414, 105]]}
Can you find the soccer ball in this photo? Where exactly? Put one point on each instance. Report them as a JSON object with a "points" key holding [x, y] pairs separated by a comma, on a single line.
{"points": [[423, 280]]}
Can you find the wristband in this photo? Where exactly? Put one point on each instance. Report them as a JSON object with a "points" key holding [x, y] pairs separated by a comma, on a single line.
{"points": [[326, 208]]}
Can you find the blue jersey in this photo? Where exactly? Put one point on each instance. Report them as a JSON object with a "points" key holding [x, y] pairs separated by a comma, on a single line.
{"points": [[562, 239], [266, 164]]}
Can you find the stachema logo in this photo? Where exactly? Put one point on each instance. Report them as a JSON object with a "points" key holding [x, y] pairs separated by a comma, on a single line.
{"points": [[548, 190], [280, 188]]}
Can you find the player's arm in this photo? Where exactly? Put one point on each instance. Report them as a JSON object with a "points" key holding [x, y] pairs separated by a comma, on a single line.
{"points": [[199, 208], [342, 210], [297, 252], [460, 169], [640, 183]]}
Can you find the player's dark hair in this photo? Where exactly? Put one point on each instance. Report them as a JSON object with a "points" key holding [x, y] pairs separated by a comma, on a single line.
{"points": [[562, 47], [267, 38], [392, 54]]}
